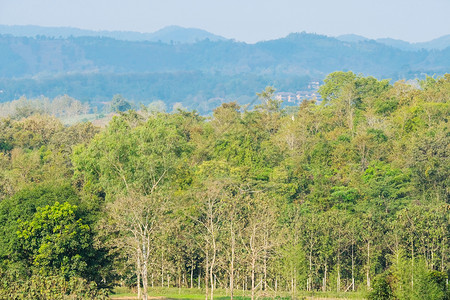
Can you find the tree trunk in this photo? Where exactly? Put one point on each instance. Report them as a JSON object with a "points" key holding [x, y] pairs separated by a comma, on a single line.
{"points": [[145, 282], [324, 286], [206, 276], [211, 269], [192, 274], [412, 264], [138, 273], [253, 278], [265, 261], [145, 258], [353, 270], [368, 265], [310, 272], [338, 280], [162, 269], [233, 242]]}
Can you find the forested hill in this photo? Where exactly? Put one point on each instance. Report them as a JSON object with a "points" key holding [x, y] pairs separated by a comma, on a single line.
{"points": [[349, 196], [310, 54], [200, 75]]}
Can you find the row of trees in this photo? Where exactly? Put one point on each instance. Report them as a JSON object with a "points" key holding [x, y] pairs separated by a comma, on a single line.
{"points": [[351, 194], [61, 106], [64, 107]]}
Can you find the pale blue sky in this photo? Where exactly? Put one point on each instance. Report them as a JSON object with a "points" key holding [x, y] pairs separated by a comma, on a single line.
{"points": [[244, 20]]}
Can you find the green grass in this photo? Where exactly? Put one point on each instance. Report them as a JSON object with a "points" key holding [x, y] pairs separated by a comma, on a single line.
{"points": [[221, 294]]}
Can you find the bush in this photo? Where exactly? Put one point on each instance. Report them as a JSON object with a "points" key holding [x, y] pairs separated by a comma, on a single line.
{"points": [[49, 287], [382, 288]]}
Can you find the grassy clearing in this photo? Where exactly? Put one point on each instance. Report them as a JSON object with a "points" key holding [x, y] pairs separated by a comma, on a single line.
{"points": [[221, 294]]}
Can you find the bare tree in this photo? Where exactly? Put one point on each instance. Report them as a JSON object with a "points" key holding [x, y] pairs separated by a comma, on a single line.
{"points": [[257, 238], [138, 219], [208, 215]]}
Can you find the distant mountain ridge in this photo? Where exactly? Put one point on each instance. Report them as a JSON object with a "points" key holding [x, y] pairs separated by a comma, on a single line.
{"points": [[297, 54], [436, 44], [205, 72], [169, 34], [178, 34]]}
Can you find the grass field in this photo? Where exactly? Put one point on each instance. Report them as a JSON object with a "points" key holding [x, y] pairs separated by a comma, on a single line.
{"points": [[220, 294]]}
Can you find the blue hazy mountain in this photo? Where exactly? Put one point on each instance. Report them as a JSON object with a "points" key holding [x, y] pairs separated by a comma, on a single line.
{"points": [[437, 44], [94, 68], [440, 43], [352, 38], [296, 54], [169, 34], [177, 34]]}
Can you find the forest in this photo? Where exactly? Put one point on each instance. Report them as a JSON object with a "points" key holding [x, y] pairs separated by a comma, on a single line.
{"points": [[349, 195], [201, 74]]}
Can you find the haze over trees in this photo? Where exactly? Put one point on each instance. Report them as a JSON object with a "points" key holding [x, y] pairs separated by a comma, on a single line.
{"points": [[201, 75], [351, 194]]}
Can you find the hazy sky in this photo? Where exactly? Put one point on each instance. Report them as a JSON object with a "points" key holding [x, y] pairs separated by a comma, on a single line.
{"points": [[244, 20]]}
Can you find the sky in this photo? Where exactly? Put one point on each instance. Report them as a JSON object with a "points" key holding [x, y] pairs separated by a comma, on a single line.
{"points": [[243, 20]]}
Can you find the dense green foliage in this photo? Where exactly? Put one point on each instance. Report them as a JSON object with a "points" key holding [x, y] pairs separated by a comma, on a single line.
{"points": [[349, 194]]}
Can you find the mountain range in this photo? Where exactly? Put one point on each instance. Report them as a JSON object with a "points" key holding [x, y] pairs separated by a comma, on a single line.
{"points": [[178, 34], [435, 44], [191, 65], [169, 34]]}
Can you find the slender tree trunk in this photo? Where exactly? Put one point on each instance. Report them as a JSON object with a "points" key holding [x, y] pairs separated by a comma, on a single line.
{"points": [[265, 270], [145, 282], [211, 269], [233, 242], [253, 277], [310, 271], [338, 280], [206, 276], [294, 283], [265, 260], [145, 258], [292, 287], [138, 273], [368, 265], [353, 270], [412, 264], [350, 121], [162, 269], [324, 286], [192, 273]]}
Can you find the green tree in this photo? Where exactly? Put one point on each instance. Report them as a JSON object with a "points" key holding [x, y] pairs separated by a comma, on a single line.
{"points": [[55, 240], [120, 104]]}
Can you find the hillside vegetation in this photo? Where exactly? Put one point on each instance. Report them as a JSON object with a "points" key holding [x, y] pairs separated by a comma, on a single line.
{"points": [[202, 74], [351, 194]]}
